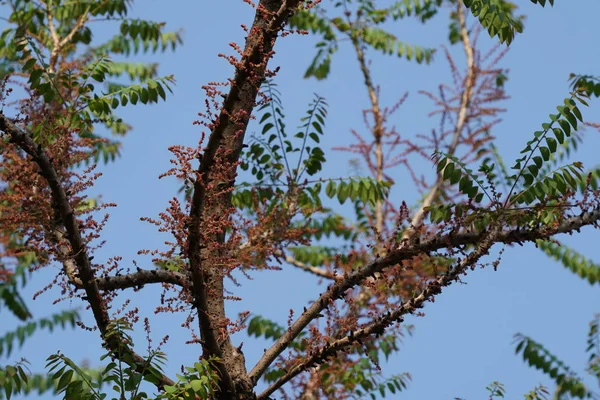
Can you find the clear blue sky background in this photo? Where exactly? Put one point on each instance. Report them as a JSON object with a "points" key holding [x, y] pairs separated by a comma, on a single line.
{"points": [[464, 341]]}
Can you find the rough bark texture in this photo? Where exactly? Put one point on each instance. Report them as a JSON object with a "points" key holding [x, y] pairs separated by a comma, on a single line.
{"points": [[337, 289], [77, 252], [211, 199]]}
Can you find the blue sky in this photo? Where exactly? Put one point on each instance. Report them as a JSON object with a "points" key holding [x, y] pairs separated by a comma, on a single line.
{"points": [[464, 341]]}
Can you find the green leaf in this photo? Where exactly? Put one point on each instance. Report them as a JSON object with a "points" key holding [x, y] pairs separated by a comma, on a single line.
{"points": [[565, 127], [330, 189], [551, 142], [497, 17], [343, 192], [267, 127], [64, 380]]}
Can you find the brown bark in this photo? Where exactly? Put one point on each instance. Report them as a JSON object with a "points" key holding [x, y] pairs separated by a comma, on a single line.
{"points": [[394, 257], [432, 289], [211, 199], [77, 252]]}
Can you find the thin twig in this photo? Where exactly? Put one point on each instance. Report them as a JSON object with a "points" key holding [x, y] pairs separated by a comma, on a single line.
{"points": [[378, 130], [320, 272], [57, 43], [465, 101]]}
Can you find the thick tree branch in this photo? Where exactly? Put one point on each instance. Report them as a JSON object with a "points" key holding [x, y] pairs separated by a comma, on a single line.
{"points": [[78, 251], [137, 279], [141, 278], [212, 199], [417, 302], [451, 240]]}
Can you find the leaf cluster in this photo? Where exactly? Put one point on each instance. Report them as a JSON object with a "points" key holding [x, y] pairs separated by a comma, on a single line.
{"points": [[537, 356], [572, 260], [540, 149], [497, 17], [364, 29], [121, 374], [23, 332], [84, 87]]}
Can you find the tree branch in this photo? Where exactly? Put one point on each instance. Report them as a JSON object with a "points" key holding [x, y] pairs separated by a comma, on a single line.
{"points": [[211, 199], [465, 101], [57, 42], [450, 240], [141, 278], [432, 289], [78, 251], [320, 272], [136, 279]]}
